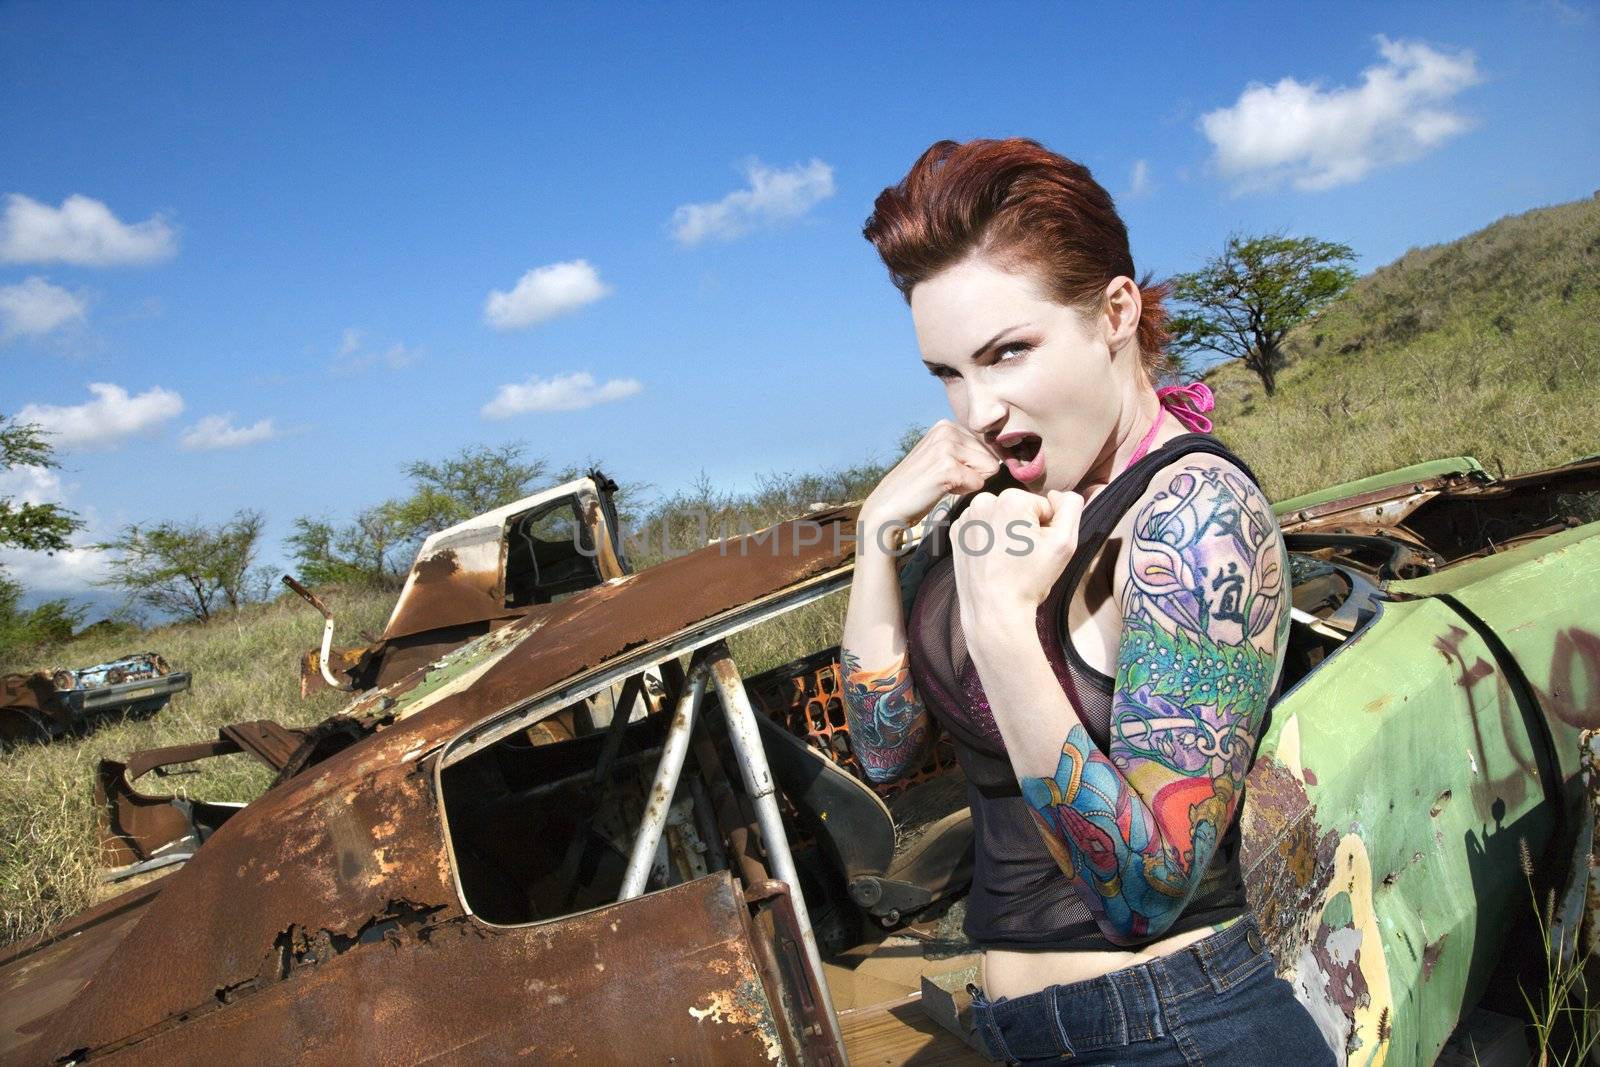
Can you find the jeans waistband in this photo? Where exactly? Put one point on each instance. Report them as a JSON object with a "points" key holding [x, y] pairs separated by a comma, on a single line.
{"points": [[1120, 1007]]}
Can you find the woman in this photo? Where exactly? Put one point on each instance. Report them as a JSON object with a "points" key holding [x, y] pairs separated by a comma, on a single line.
{"points": [[1097, 618]]}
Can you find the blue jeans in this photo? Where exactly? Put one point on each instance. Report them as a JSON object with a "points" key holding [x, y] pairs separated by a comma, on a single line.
{"points": [[1216, 1001]]}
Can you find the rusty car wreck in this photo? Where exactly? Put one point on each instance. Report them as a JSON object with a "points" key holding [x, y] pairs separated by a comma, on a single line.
{"points": [[555, 823], [50, 703]]}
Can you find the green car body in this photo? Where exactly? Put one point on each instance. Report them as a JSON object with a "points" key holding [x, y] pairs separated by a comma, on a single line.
{"points": [[1406, 782]]}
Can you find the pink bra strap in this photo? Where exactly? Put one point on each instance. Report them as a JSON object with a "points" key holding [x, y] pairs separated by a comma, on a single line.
{"points": [[1144, 446], [1185, 402]]}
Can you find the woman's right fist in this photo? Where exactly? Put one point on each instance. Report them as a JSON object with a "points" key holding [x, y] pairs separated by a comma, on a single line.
{"points": [[948, 459]]}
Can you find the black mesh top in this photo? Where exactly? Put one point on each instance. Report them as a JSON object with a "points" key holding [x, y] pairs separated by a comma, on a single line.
{"points": [[1020, 899]]}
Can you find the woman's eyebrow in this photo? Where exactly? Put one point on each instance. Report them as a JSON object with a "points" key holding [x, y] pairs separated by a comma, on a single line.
{"points": [[978, 354]]}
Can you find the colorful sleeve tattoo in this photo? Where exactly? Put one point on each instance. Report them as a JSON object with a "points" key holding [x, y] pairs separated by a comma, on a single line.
{"points": [[1205, 615], [888, 727]]}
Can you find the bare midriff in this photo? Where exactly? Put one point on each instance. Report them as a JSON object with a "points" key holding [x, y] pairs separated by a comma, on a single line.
{"points": [[1007, 973]]}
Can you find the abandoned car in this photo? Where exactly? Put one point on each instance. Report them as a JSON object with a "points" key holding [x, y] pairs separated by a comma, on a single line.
{"points": [[555, 823], [47, 704]]}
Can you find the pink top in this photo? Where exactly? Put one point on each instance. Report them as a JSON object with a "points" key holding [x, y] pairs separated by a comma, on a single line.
{"points": [[1186, 404]]}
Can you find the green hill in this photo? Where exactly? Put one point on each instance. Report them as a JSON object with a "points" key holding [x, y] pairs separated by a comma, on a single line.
{"points": [[1487, 346]]}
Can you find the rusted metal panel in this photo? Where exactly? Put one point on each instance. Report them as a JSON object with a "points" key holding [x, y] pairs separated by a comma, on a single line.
{"points": [[460, 577], [326, 851], [598, 625], [31, 709], [668, 977], [39, 985], [136, 827], [355, 837], [796, 991]]}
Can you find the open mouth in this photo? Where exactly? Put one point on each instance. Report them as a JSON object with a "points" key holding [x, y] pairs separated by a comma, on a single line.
{"points": [[1024, 449], [1023, 457]]}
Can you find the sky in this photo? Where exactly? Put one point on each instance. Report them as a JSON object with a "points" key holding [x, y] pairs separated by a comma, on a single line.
{"points": [[262, 255]]}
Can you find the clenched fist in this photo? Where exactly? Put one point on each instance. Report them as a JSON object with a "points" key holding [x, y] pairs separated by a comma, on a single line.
{"points": [[1009, 549], [949, 459]]}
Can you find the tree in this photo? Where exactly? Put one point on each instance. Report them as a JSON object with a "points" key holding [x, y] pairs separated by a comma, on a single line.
{"points": [[31, 527], [362, 552], [479, 478], [51, 622], [376, 548], [1243, 302], [187, 568]]}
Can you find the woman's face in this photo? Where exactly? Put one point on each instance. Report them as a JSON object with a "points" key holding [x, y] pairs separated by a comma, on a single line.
{"points": [[1034, 378]]}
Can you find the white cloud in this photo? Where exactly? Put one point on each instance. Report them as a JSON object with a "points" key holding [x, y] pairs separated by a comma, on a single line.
{"points": [[773, 195], [82, 231], [72, 571], [32, 485], [1139, 183], [107, 419], [566, 392], [34, 307], [352, 357], [1318, 138], [544, 293], [218, 431], [75, 570]]}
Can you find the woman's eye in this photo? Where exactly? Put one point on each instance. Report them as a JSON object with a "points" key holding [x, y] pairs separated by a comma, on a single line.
{"points": [[1014, 348]]}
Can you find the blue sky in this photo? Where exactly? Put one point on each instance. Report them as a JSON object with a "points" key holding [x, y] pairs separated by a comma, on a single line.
{"points": [[276, 231]]}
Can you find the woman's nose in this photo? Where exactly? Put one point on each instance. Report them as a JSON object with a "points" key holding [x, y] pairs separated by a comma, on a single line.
{"points": [[985, 410]]}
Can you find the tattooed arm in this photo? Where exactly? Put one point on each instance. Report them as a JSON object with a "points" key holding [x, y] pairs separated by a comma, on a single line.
{"points": [[1203, 591], [890, 731]]}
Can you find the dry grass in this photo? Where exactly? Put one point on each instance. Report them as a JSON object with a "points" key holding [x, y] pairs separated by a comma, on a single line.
{"points": [[1489, 346], [244, 667]]}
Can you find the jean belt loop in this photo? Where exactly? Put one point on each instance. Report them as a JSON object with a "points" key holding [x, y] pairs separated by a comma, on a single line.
{"points": [[1117, 1016], [1062, 1040], [1141, 1002], [1210, 966]]}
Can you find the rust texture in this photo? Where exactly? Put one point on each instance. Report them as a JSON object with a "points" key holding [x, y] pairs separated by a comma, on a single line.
{"points": [[678, 963], [1285, 856], [442, 594], [135, 826], [341, 661], [336, 846], [28, 705]]}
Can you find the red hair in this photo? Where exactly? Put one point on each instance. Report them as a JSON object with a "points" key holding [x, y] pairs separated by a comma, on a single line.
{"points": [[1022, 204]]}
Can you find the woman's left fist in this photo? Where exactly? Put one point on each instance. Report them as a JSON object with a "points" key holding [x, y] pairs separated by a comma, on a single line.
{"points": [[1009, 551]]}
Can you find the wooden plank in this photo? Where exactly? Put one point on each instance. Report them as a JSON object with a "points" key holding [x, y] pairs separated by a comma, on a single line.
{"points": [[901, 1033]]}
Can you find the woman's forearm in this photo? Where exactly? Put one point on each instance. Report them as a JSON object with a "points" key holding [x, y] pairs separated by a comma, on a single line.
{"points": [[1100, 828], [889, 729], [1029, 706]]}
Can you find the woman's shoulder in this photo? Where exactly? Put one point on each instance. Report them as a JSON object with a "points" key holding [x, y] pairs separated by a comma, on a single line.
{"points": [[1198, 471], [1202, 539]]}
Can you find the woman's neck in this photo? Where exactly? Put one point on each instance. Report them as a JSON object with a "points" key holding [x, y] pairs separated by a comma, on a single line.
{"points": [[1142, 427]]}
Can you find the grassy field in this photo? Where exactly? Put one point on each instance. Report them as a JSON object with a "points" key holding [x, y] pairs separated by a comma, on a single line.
{"points": [[244, 667], [1488, 346]]}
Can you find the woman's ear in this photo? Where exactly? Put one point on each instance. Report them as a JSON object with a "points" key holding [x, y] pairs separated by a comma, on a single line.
{"points": [[1123, 306]]}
